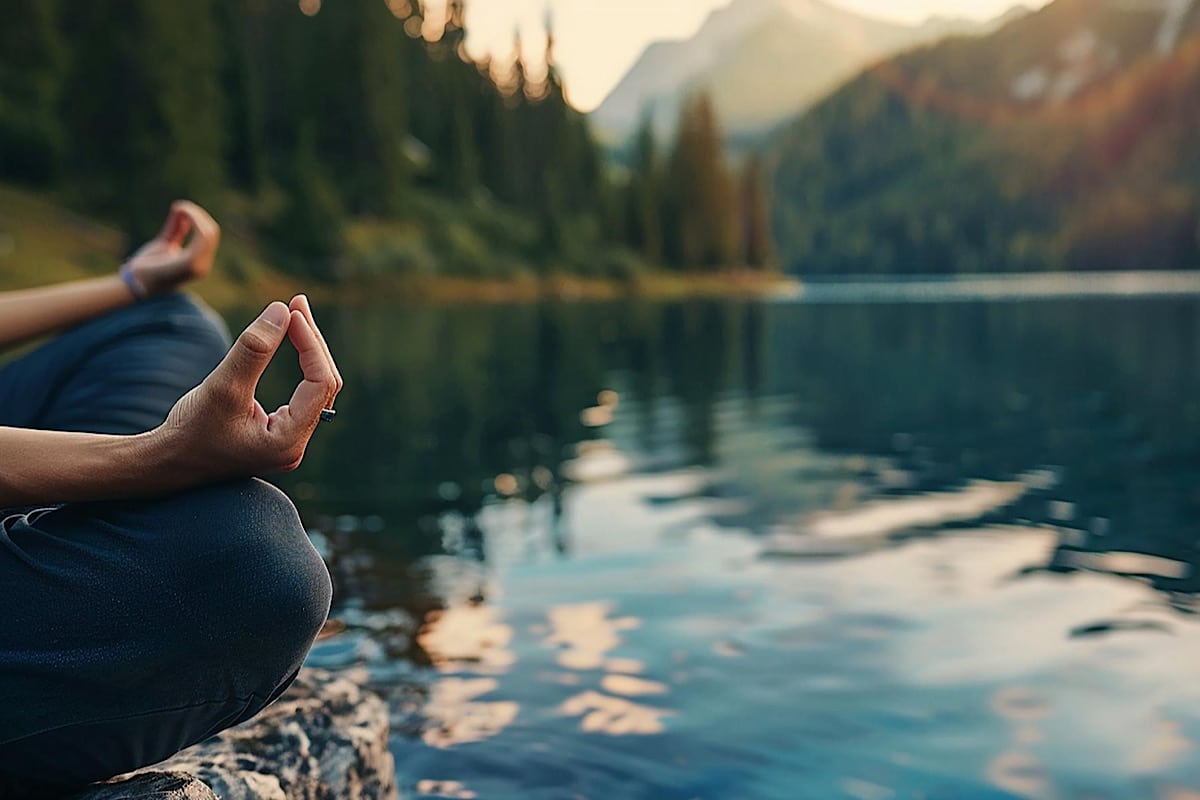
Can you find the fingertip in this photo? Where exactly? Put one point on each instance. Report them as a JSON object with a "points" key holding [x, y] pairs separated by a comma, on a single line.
{"points": [[298, 325], [276, 314]]}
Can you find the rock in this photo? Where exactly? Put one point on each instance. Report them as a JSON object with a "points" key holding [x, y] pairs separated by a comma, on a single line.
{"points": [[325, 738]]}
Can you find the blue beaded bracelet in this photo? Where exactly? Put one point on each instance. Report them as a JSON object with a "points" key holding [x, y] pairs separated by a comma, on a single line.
{"points": [[135, 286]]}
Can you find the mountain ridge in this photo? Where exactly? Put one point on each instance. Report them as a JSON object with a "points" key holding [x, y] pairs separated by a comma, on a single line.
{"points": [[764, 61]]}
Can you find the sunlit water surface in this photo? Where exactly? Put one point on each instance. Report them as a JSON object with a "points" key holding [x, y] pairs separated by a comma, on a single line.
{"points": [[780, 550]]}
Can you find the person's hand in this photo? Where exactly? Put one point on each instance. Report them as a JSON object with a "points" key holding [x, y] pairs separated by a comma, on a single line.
{"points": [[218, 430], [170, 259]]}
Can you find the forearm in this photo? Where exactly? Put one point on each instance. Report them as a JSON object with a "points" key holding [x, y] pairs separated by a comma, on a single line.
{"points": [[30, 313], [55, 467]]}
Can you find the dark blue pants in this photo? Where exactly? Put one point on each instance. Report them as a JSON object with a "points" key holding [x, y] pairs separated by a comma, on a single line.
{"points": [[130, 630]]}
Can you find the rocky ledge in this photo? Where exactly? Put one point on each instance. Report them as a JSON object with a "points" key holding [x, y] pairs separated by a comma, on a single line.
{"points": [[325, 738]]}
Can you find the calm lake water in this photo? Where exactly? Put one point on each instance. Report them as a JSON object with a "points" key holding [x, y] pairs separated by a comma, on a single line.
{"points": [[770, 550]]}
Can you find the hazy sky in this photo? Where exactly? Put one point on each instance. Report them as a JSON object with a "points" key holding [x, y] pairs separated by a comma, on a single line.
{"points": [[598, 40]]}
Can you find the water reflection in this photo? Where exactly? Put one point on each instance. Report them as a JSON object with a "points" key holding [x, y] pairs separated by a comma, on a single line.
{"points": [[562, 511], [467, 638], [586, 634], [455, 714], [615, 716]]}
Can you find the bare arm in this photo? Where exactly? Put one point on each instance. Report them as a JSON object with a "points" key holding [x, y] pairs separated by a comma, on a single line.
{"points": [[216, 431], [159, 266], [62, 467], [33, 312]]}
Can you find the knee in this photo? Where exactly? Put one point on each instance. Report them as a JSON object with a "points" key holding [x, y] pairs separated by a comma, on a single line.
{"points": [[179, 323], [271, 557], [190, 318], [268, 592]]}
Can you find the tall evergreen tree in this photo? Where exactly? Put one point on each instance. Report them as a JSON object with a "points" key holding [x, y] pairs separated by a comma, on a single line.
{"points": [[755, 215], [517, 181], [32, 60], [700, 194], [308, 230], [143, 109], [644, 200], [456, 106], [359, 114], [244, 148]]}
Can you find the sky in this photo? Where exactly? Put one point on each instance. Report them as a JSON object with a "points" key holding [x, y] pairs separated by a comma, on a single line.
{"points": [[597, 41]]}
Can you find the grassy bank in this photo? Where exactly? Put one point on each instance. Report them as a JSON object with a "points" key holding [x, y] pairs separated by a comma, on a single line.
{"points": [[42, 242]]}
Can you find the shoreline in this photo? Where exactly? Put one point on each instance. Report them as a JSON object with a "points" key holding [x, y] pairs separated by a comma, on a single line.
{"points": [[42, 242], [562, 287]]}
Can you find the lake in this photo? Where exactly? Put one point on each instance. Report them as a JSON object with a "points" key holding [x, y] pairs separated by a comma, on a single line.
{"points": [[770, 549]]}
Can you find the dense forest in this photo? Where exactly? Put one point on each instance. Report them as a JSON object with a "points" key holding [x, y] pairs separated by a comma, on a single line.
{"points": [[1066, 140], [347, 139]]}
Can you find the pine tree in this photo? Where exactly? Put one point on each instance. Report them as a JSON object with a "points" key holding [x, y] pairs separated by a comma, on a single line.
{"points": [[359, 115], [755, 215], [32, 61], [142, 107], [244, 147], [700, 206], [644, 200], [456, 106], [307, 234], [517, 180], [552, 153]]}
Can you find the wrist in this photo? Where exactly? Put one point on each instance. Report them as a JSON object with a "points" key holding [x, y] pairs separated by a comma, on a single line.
{"points": [[136, 286], [160, 460]]}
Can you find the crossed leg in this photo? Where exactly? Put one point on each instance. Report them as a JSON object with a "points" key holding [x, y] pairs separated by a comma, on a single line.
{"points": [[130, 630]]}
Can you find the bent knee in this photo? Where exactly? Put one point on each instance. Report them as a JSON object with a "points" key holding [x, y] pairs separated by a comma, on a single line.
{"points": [[268, 554], [193, 321], [263, 591]]}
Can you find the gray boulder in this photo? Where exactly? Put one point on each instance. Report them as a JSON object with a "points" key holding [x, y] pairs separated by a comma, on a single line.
{"points": [[325, 739]]}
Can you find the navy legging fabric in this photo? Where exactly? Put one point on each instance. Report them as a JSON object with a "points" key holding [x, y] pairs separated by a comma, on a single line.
{"points": [[130, 630]]}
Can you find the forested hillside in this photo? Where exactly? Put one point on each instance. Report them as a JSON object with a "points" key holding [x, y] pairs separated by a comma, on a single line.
{"points": [[342, 140], [1064, 140]]}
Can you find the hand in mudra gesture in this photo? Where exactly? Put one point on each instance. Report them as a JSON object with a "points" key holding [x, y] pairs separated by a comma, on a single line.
{"points": [[171, 258], [219, 430]]}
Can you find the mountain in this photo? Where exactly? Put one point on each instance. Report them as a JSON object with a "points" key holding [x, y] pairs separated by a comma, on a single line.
{"points": [[1066, 139], [763, 60]]}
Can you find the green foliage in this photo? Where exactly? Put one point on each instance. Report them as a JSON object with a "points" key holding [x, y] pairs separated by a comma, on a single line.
{"points": [[929, 163], [142, 107], [243, 135], [644, 203], [620, 265], [755, 215], [322, 116], [32, 60], [699, 196], [307, 232]]}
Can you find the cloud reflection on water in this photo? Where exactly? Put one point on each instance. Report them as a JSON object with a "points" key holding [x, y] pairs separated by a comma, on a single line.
{"points": [[467, 637], [456, 715], [586, 633]]}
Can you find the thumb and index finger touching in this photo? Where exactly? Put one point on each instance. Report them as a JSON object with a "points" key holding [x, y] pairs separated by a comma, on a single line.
{"points": [[184, 218], [321, 382], [257, 346]]}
